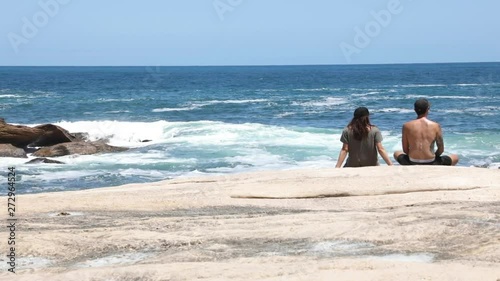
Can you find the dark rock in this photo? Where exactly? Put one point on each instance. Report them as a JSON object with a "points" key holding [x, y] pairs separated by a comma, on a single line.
{"points": [[30, 150], [81, 148], [63, 214], [52, 135], [19, 136], [43, 135], [146, 140], [81, 136], [8, 150], [44, 160]]}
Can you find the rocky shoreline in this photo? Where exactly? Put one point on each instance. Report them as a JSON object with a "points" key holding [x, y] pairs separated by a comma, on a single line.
{"points": [[47, 140]]}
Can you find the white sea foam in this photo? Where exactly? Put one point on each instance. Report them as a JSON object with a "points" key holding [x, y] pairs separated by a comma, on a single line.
{"points": [[317, 162], [212, 102], [326, 102], [9, 161], [144, 173], [395, 110], [285, 114], [483, 109], [61, 175], [478, 111], [421, 85], [257, 157], [489, 107], [114, 100], [452, 111], [466, 85], [131, 157], [366, 94], [441, 97], [200, 104], [247, 142], [169, 109], [10, 96], [43, 92], [195, 173], [199, 133], [269, 90], [316, 89], [130, 134], [380, 98], [227, 170], [494, 165], [362, 89], [118, 111]]}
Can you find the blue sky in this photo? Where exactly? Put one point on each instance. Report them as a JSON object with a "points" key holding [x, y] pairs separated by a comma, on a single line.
{"points": [[247, 32]]}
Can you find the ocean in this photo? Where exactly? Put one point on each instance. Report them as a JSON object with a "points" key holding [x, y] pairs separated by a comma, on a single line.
{"points": [[232, 119]]}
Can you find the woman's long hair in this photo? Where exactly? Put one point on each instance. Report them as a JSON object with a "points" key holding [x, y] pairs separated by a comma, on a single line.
{"points": [[360, 127]]}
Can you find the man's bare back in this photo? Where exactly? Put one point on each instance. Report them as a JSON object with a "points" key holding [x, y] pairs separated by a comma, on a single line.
{"points": [[420, 137]]}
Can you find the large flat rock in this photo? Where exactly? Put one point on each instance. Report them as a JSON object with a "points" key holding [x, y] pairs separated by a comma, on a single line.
{"points": [[382, 223]]}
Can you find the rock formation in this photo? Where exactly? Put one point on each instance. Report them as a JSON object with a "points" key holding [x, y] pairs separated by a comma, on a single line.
{"points": [[17, 141], [8, 150], [81, 148], [19, 136], [52, 135], [44, 160]]}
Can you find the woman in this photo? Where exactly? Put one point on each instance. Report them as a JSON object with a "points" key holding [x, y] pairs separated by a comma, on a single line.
{"points": [[361, 140]]}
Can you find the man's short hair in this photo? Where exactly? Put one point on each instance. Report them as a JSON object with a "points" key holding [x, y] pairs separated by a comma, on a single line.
{"points": [[421, 106]]}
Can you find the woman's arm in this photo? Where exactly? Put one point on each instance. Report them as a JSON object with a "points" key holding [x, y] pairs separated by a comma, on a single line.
{"points": [[342, 155], [383, 153]]}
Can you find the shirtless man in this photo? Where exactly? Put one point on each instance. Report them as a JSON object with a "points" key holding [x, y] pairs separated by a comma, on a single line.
{"points": [[419, 137]]}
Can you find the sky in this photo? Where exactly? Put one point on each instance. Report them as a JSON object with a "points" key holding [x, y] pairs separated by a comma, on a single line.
{"points": [[246, 32]]}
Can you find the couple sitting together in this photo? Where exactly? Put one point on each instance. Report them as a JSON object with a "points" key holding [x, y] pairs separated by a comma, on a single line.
{"points": [[362, 140]]}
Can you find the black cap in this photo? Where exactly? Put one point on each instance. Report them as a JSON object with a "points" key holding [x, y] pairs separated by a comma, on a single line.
{"points": [[361, 111], [421, 106]]}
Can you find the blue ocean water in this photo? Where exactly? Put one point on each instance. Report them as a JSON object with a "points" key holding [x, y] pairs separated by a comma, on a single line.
{"points": [[217, 120]]}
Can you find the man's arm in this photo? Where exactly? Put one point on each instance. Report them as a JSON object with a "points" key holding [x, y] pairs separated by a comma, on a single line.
{"points": [[439, 141], [404, 140]]}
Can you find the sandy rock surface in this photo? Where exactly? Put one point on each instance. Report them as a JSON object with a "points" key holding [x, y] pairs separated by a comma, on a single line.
{"points": [[380, 223]]}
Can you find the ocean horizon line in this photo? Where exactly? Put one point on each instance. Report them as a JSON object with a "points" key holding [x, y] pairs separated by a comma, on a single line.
{"points": [[264, 65]]}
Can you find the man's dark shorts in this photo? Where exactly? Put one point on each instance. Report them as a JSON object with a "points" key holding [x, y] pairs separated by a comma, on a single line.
{"points": [[403, 159]]}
